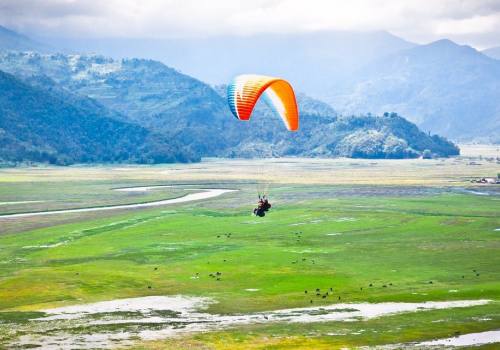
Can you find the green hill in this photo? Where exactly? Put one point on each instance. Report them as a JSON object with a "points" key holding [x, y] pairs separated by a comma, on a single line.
{"points": [[43, 126]]}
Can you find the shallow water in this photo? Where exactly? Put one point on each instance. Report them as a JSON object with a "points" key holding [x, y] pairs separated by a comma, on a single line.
{"points": [[466, 339], [120, 322]]}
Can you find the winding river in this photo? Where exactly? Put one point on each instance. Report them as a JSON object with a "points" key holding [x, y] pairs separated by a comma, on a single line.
{"points": [[203, 194]]}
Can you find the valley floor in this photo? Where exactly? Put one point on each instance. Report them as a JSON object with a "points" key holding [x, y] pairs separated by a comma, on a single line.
{"points": [[344, 238]]}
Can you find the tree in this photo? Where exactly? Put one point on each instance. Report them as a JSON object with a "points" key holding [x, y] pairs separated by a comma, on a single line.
{"points": [[427, 154]]}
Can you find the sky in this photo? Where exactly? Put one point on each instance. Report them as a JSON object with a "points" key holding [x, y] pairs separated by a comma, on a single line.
{"points": [[472, 22]]}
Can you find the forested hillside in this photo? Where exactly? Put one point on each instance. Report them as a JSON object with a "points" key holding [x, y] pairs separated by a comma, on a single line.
{"points": [[37, 125]]}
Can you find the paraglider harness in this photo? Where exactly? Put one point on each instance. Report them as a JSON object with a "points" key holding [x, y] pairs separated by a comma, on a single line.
{"points": [[262, 206]]}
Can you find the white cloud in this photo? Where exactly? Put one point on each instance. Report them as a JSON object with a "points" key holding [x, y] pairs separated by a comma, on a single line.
{"points": [[473, 25], [477, 21]]}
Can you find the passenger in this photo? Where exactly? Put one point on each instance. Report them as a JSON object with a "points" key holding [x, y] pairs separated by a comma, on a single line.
{"points": [[262, 206]]}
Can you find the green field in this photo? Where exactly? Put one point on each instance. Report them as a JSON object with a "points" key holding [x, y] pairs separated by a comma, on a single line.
{"points": [[368, 242]]}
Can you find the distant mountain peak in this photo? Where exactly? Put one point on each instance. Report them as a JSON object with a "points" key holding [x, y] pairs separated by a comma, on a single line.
{"points": [[447, 45], [443, 42]]}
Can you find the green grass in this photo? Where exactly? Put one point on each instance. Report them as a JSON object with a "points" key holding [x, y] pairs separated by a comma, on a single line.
{"points": [[308, 241]]}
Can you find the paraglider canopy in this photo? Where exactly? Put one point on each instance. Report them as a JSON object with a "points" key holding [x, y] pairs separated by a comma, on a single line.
{"points": [[245, 90]]}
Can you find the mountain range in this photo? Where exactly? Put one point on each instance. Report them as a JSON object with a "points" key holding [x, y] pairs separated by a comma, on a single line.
{"points": [[191, 115], [443, 87], [175, 117]]}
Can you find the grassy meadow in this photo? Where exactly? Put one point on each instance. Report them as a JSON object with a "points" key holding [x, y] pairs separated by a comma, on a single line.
{"points": [[373, 231]]}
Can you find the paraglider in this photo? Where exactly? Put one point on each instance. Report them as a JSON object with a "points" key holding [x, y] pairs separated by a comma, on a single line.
{"points": [[262, 206], [244, 92]]}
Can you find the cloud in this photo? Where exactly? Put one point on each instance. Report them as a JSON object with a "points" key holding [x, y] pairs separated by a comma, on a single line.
{"points": [[477, 21], [473, 25]]}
